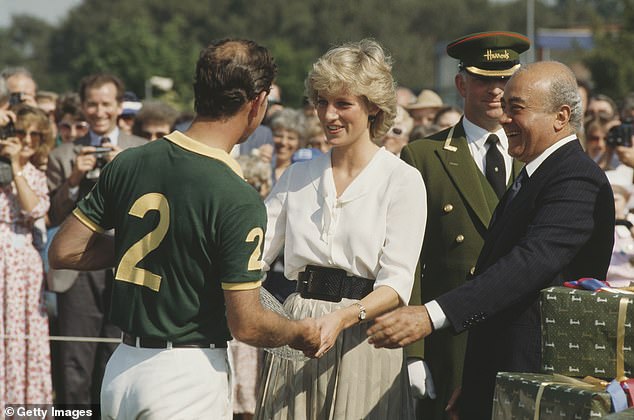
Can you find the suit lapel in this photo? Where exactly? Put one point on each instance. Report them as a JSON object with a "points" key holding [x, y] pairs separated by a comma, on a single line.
{"points": [[458, 162]]}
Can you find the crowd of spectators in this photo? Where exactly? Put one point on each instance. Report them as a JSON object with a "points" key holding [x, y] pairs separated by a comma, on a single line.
{"points": [[51, 143]]}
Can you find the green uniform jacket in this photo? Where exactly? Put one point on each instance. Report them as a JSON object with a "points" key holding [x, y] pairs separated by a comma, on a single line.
{"points": [[460, 203]]}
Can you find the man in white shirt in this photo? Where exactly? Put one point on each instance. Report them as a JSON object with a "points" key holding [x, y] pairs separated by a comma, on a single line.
{"points": [[556, 223]]}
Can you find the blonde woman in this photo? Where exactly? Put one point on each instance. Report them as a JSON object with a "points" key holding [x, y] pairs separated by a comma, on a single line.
{"points": [[344, 219]]}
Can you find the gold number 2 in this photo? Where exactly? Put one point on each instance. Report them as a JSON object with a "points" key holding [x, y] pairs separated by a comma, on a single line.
{"points": [[254, 260], [127, 270]]}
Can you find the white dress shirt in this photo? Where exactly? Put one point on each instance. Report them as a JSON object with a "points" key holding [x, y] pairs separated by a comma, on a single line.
{"points": [[477, 138], [375, 229]]}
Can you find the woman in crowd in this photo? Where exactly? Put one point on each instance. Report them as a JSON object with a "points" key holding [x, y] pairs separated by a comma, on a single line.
{"points": [[71, 123], [398, 135], [25, 374], [288, 133], [351, 243]]}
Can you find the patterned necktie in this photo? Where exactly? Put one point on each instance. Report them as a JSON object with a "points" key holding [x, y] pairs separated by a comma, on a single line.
{"points": [[495, 169], [515, 188], [510, 195]]}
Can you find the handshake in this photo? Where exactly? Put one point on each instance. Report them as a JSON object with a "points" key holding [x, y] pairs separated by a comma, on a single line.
{"points": [[398, 328]]}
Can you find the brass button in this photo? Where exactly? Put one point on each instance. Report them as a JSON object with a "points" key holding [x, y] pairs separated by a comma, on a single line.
{"points": [[447, 208], [472, 271], [460, 239]]}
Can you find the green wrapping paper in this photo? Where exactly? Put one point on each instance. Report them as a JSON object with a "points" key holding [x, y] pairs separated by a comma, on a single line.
{"points": [[536, 396], [587, 333]]}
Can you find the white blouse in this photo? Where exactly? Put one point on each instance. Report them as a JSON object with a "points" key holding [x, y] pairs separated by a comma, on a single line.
{"points": [[374, 229]]}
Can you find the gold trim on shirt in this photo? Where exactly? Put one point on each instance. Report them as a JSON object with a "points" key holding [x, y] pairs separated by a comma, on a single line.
{"points": [[241, 286], [86, 221], [192, 145]]}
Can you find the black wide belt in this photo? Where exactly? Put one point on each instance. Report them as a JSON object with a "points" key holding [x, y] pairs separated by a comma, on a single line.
{"points": [[159, 343], [331, 284]]}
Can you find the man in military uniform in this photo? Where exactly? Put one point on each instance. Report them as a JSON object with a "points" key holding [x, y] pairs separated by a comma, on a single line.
{"points": [[189, 233], [466, 169]]}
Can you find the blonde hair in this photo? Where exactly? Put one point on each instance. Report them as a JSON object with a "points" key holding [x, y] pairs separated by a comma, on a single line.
{"points": [[28, 116], [361, 69]]}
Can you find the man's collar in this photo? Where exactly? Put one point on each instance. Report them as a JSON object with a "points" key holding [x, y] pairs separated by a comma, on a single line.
{"points": [[532, 166], [95, 139], [478, 135]]}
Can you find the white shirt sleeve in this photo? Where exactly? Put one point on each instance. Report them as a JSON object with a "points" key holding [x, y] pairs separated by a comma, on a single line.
{"points": [[276, 220], [404, 231], [437, 315]]}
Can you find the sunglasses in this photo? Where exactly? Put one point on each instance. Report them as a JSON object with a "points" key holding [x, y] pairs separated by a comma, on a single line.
{"points": [[80, 125], [33, 135]]}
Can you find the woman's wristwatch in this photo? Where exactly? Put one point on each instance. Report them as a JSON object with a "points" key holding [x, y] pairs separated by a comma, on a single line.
{"points": [[362, 313]]}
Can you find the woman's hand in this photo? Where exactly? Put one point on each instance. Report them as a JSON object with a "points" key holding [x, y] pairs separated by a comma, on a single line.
{"points": [[11, 148], [330, 326]]}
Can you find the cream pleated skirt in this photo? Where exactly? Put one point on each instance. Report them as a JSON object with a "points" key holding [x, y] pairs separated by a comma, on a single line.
{"points": [[353, 380]]}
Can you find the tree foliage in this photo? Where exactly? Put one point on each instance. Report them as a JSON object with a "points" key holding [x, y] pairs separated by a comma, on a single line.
{"points": [[137, 39]]}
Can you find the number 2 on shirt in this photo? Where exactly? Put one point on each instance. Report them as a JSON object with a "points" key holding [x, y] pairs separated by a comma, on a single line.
{"points": [[127, 270]]}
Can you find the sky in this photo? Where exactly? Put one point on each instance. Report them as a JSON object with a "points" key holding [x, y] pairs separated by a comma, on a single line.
{"points": [[51, 11]]}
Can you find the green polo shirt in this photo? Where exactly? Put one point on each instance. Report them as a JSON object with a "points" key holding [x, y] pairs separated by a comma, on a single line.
{"points": [[187, 226]]}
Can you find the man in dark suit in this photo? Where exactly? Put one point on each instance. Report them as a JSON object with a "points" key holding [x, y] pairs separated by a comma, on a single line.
{"points": [[83, 297], [555, 223], [458, 166]]}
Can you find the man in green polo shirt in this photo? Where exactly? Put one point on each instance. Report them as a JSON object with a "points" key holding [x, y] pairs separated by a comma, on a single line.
{"points": [[189, 233]]}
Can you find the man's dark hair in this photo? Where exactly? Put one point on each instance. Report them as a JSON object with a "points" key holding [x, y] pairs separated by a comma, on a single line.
{"points": [[68, 103], [154, 112], [229, 73], [98, 80]]}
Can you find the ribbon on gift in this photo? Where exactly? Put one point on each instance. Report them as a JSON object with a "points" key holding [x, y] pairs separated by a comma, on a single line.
{"points": [[588, 383], [595, 285], [620, 339]]}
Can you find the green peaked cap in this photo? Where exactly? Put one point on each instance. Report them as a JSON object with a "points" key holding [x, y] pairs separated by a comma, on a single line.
{"points": [[489, 54]]}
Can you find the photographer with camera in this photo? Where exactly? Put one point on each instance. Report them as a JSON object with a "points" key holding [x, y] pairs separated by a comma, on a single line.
{"points": [[607, 143], [83, 298], [24, 139]]}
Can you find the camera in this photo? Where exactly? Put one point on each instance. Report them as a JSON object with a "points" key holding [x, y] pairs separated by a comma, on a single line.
{"points": [[620, 135], [6, 173], [100, 153], [7, 131], [16, 98]]}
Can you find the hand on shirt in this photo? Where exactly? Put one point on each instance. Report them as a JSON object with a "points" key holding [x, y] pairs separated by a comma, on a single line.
{"points": [[400, 327]]}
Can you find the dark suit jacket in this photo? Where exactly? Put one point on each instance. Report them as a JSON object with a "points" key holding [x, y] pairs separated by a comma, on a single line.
{"points": [[60, 165], [460, 202], [559, 227]]}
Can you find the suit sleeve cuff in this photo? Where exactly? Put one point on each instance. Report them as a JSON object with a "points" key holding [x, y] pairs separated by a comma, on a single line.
{"points": [[437, 315]]}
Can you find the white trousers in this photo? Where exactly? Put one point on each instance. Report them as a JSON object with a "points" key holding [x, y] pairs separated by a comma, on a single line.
{"points": [[179, 383]]}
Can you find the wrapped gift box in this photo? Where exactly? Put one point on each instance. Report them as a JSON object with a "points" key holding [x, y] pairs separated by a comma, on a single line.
{"points": [[587, 333], [529, 396]]}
